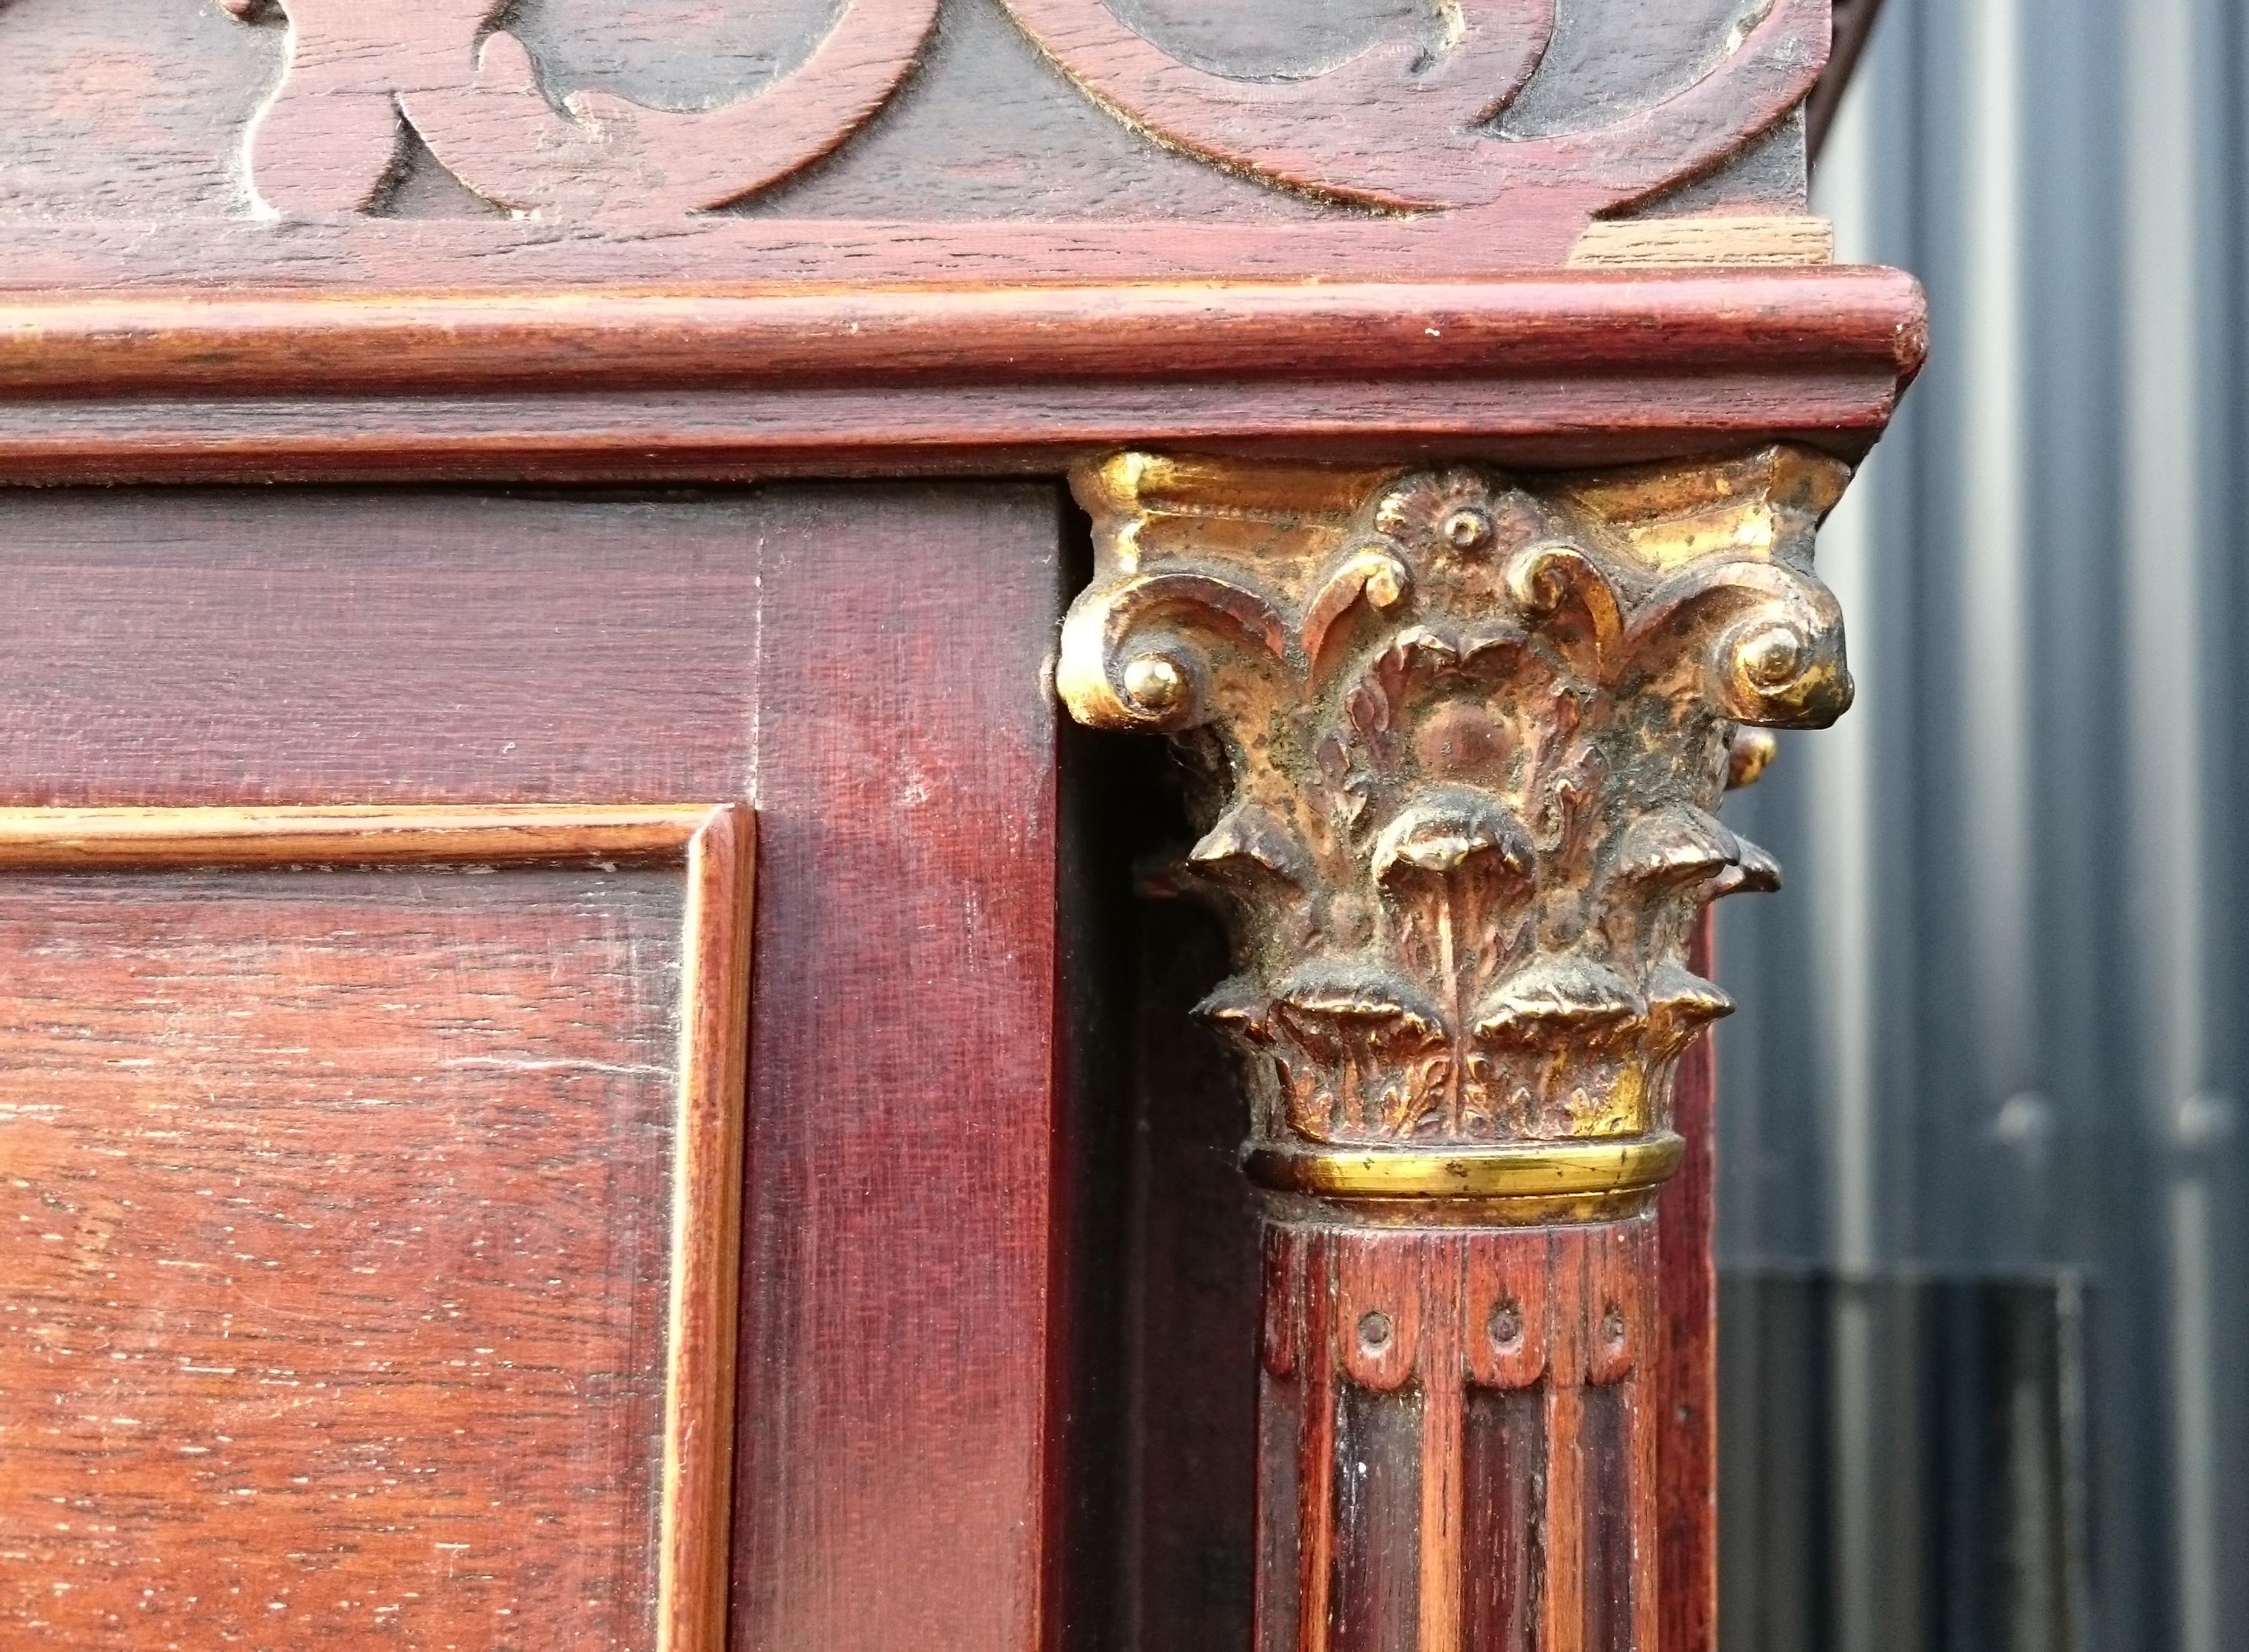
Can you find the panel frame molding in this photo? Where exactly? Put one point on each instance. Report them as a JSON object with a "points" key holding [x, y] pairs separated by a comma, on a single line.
{"points": [[714, 845]]}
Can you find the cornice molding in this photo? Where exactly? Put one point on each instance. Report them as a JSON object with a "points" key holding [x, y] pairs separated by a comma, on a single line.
{"points": [[724, 382]]}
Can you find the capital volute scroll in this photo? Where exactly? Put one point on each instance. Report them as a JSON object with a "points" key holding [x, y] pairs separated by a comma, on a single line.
{"points": [[1460, 738]]}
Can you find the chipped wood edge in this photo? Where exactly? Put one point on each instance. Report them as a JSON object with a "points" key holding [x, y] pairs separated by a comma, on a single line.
{"points": [[716, 845], [1657, 244]]}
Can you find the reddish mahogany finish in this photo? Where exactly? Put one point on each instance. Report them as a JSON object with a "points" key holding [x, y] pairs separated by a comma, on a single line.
{"points": [[1687, 1422], [864, 664], [333, 1223], [1588, 367], [898, 1423], [1590, 324], [1458, 1439], [554, 244]]}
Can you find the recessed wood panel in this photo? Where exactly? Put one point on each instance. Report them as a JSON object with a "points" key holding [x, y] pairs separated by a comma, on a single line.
{"points": [[367, 1232]]}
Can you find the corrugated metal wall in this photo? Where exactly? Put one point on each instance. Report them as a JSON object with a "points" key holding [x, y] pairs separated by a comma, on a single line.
{"points": [[1995, 1023]]}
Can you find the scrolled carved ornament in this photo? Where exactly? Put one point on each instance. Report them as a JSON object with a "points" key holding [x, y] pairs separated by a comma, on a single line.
{"points": [[1411, 124], [1417, 124], [1460, 738], [328, 139]]}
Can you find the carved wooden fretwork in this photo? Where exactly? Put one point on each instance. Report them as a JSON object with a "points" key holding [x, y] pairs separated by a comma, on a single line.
{"points": [[1464, 735], [330, 136], [1407, 124]]}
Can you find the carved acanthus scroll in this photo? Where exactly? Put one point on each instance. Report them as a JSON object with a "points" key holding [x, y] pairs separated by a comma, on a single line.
{"points": [[1464, 738], [1408, 124], [1403, 124], [328, 139]]}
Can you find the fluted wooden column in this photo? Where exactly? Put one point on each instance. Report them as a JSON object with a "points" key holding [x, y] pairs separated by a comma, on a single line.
{"points": [[1457, 1443], [1458, 738]]}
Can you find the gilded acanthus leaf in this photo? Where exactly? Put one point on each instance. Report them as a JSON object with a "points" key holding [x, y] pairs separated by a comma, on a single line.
{"points": [[1476, 730]]}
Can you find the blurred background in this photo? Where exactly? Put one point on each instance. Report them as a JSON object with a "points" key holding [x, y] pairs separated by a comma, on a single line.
{"points": [[1986, 1197]]}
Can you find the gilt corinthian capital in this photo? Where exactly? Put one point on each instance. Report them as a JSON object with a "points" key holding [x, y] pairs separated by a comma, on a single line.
{"points": [[1461, 738]]}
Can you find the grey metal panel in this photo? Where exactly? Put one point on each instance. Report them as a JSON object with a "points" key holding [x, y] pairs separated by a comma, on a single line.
{"points": [[1996, 1020], [1975, 1517]]}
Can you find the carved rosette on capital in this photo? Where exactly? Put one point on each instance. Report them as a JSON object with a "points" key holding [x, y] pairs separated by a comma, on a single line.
{"points": [[1460, 738]]}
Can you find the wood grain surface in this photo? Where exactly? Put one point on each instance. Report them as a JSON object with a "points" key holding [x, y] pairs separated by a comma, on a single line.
{"points": [[1191, 1440], [1687, 1438], [175, 117], [316, 1130], [234, 647], [1422, 1503], [864, 663], [358, 80], [1555, 369], [337, 1255], [659, 437], [1588, 322], [68, 254], [1407, 123], [897, 1331]]}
